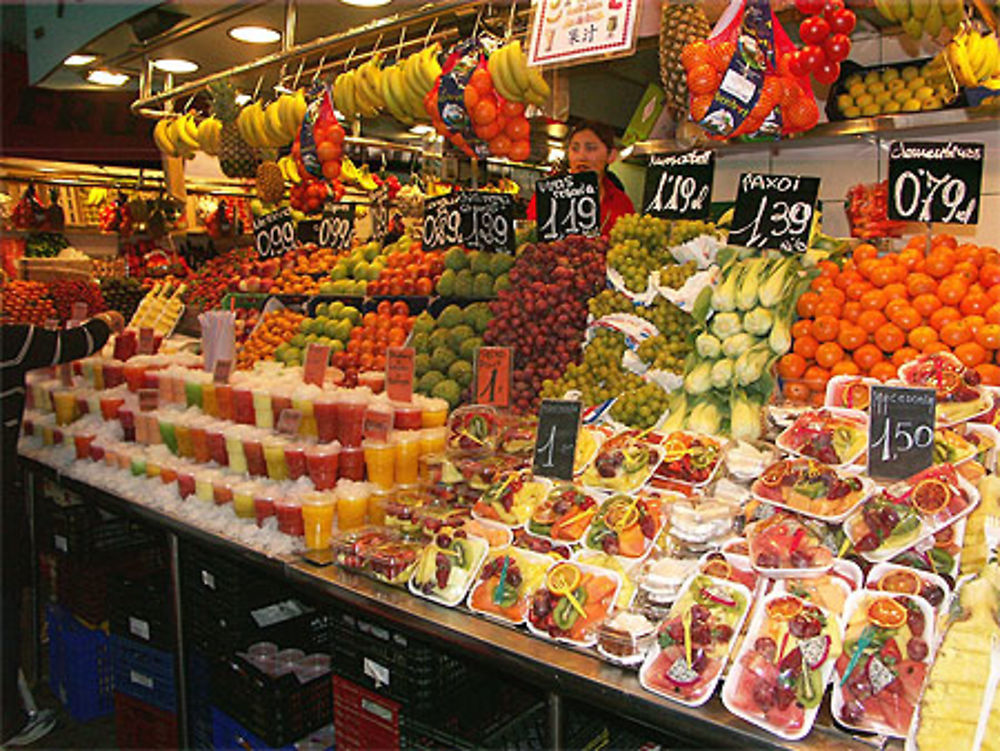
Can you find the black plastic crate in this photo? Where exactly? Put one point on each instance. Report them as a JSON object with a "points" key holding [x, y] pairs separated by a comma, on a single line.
{"points": [[198, 675], [381, 658], [84, 531], [279, 710], [82, 585], [140, 610], [285, 621]]}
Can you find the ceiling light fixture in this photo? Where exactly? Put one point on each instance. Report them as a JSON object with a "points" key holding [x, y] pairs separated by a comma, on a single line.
{"points": [[175, 65], [255, 34], [422, 130], [76, 61], [106, 78], [242, 99], [366, 3]]}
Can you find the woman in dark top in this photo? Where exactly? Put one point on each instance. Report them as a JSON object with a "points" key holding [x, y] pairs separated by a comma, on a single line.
{"points": [[25, 348]]}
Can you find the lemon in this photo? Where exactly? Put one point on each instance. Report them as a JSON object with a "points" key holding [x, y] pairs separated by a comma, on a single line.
{"points": [[876, 88], [896, 84], [911, 105], [915, 83], [891, 108], [909, 73], [864, 100], [933, 103], [923, 93], [871, 110], [852, 79], [883, 96], [856, 90], [890, 74], [872, 77], [901, 96], [852, 112], [844, 101]]}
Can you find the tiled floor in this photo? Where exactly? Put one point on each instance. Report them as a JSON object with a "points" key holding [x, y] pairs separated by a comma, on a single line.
{"points": [[69, 734]]}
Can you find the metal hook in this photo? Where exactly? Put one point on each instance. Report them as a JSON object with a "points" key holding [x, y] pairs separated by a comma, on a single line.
{"points": [[256, 90], [319, 69], [187, 104], [510, 21], [350, 56], [430, 31], [298, 73], [479, 17], [399, 47], [377, 43]]}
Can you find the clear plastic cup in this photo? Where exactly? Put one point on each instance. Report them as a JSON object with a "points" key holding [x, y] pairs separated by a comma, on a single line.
{"points": [[243, 411], [318, 511], [295, 459], [377, 502], [263, 504], [352, 504], [126, 416], [224, 401], [182, 432], [81, 442], [408, 444], [237, 460], [351, 418], [381, 410], [326, 410], [308, 426], [222, 489], [274, 457], [97, 452], [137, 465], [263, 416], [204, 481], [322, 463], [288, 512], [110, 406], [216, 441], [209, 404], [153, 467], [279, 403], [193, 394], [253, 450], [168, 474], [433, 441], [114, 373], [408, 416], [373, 379], [199, 441], [168, 432], [135, 375], [352, 463], [82, 404], [380, 462], [243, 499], [186, 484], [434, 413]]}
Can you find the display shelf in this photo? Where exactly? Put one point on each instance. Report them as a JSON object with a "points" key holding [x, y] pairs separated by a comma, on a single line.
{"points": [[561, 670], [908, 124]]}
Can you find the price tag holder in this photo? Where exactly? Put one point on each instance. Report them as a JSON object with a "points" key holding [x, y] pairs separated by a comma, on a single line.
{"points": [[274, 233], [774, 211], [380, 214], [555, 443], [900, 431], [146, 336], [221, 371], [679, 186], [475, 219], [935, 182], [336, 228], [399, 373], [492, 379], [568, 205], [289, 421], [378, 425], [314, 367]]}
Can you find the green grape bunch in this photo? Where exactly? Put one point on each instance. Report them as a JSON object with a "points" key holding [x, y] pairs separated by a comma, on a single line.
{"points": [[674, 275], [641, 406], [687, 229], [634, 262], [609, 301], [662, 353]]}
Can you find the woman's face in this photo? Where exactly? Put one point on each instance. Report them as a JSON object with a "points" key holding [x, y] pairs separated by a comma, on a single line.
{"points": [[587, 152]]}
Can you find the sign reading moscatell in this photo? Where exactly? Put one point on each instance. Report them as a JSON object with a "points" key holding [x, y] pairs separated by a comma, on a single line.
{"points": [[935, 182], [679, 186]]}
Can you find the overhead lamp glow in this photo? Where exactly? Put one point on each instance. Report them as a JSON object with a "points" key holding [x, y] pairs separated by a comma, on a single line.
{"points": [[422, 130], [175, 65], [242, 99], [106, 78], [255, 34], [76, 61], [366, 3]]}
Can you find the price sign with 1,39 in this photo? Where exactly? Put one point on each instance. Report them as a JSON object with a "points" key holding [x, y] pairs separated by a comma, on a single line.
{"points": [[900, 431], [492, 376], [274, 233], [935, 182], [774, 211], [568, 205], [679, 186], [555, 442]]}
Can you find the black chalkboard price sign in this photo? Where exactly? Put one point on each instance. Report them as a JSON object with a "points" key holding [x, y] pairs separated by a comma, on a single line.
{"points": [[679, 186], [935, 182], [336, 228], [555, 443], [274, 233], [568, 205], [900, 431], [475, 219], [380, 214], [442, 226], [774, 211]]}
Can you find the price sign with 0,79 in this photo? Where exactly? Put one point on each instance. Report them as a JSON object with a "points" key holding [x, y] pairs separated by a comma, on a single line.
{"points": [[568, 205], [900, 431], [935, 182], [774, 211], [274, 233]]}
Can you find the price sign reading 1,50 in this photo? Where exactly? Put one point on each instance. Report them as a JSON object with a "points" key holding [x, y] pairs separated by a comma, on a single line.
{"points": [[774, 211], [568, 205], [935, 182], [274, 233], [900, 431]]}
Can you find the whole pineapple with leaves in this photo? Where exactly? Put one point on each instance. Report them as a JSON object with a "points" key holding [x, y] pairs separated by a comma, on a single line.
{"points": [[681, 23], [237, 158], [270, 182]]}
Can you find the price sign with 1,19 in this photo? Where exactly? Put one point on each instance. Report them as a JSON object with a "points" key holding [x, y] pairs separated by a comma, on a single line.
{"points": [[568, 205], [935, 182], [555, 442], [336, 228], [900, 431], [274, 233], [679, 186], [774, 211]]}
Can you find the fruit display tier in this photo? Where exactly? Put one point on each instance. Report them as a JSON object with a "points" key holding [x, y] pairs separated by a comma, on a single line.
{"points": [[562, 671]]}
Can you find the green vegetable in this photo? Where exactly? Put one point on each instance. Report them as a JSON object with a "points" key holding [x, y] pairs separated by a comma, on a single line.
{"points": [[736, 345], [758, 321], [722, 373], [746, 296], [725, 325], [699, 380], [678, 411], [708, 346], [705, 417], [751, 365], [744, 417], [772, 290], [724, 296], [780, 339]]}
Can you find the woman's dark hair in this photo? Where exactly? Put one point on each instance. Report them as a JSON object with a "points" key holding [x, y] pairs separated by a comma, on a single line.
{"points": [[605, 134]]}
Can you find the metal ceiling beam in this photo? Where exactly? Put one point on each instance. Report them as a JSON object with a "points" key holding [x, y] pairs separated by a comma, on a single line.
{"points": [[343, 40]]}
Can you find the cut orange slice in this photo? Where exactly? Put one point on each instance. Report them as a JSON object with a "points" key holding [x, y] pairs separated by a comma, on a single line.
{"points": [[563, 579], [857, 395], [886, 613], [718, 568], [775, 473], [930, 496], [622, 514], [943, 538], [904, 582], [674, 449], [784, 608]]}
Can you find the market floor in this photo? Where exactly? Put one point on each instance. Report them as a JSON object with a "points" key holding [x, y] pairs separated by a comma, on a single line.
{"points": [[70, 734]]}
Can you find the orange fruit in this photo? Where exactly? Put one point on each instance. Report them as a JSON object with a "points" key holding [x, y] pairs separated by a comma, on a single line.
{"points": [[990, 373], [829, 354], [864, 251], [882, 370], [920, 284], [939, 265], [904, 355], [815, 378], [921, 336], [971, 354], [828, 307], [855, 290], [901, 581], [889, 337], [825, 328], [792, 365], [805, 346], [988, 336], [806, 305], [802, 327], [852, 309], [926, 304], [993, 313], [870, 320], [974, 303], [851, 336], [955, 333], [967, 269], [952, 290], [935, 347], [940, 318], [874, 299], [796, 392], [895, 290], [866, 356], [905, 317]]}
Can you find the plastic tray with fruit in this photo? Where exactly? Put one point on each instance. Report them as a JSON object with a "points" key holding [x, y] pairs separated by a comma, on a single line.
{"points": [[624, 463], [695, 640], [473, 430], [951, 447], [908, 511], [625, 569], [881, 672], [783, 546], [960, 396], [778, 679], [478, 473], [731, 567], [402, 510], [625, 525], [830, 590], [431, 516], [689, 458], [506, 582], [986, 439], [940, 553], [573, 600], [511, 498], [517, 435], [542, 545], [849, 392], [564, 515], [626, 637], [588, 443], [927, 86], [378, 552], [496, 535], [833, 436], [810, 488], [896, 579], [447, 567]]}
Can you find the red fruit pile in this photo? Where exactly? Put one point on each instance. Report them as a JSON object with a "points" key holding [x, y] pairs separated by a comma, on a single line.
{"points": [[412, 273], [207, 287], [26, 302], [65, 292], [309, 195], [543, 315], [386, 326], [826, 38]]}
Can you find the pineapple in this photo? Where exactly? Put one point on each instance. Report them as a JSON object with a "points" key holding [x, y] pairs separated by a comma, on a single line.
{"points": [[681, 24], [270, 182], [236, 157]]}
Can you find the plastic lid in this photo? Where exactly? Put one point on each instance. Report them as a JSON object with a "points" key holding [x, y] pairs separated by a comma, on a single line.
{"points": [[352, 490], [324, 449], [317, 498]]}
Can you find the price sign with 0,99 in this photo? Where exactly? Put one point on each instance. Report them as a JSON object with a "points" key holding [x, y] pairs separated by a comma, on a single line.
{"points": [[442, 222], [679, 186], [274, 233], [568, 205], [774, 211], [935, 182], [900, 431], [336, 228], [380, 214]]}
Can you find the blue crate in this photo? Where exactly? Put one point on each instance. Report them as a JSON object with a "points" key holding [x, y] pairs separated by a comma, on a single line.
{"points": [[228, 734], [80, 673], [144, 673]]}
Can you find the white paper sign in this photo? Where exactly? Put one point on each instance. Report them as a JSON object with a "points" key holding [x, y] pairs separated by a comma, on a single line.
{"points": [[568, 30]]}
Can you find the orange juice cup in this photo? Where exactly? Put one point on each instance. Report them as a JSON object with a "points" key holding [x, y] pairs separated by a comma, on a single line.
{"points": [[352, 504], [433, 441], [82, 445], [135, 376], [408, 444], [64, 403], [209, 404], [376, 505], [434, 414], [182, 433], [380, 461], [109, 407], [318, 510], [224, 401]]}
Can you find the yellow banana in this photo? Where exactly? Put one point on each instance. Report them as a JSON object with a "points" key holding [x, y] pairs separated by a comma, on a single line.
{"points": [[273, 128], [884, 7], [498, 72], [958, 59], [187, 133], [539, 86], [934, 21], [920, 9], [429, 66], [161, 137]]}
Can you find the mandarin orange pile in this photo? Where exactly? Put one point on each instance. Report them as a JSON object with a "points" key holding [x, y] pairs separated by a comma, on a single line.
{"points": [[292, 282], [876, 313], [274, 329], [386, 326]]}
